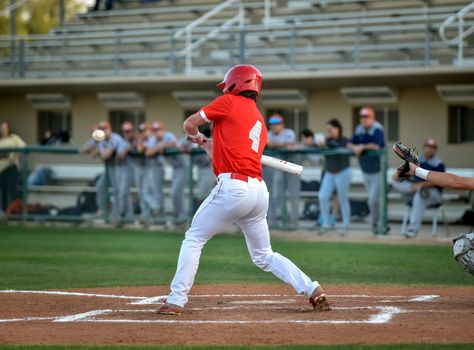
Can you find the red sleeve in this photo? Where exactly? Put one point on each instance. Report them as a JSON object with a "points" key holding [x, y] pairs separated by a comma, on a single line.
{"points": [[217, 109]]}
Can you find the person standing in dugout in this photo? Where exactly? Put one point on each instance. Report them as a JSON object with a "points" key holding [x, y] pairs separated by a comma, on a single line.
{"points": [[240, 196], [135, 166], [149, 191], [280, 137], [369, 135], [109, 149]]}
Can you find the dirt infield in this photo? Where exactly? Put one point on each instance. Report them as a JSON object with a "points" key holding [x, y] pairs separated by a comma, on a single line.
{"points": [[238, 314]]}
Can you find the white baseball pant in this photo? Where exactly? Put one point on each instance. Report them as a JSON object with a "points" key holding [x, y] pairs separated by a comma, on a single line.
{"points": [[244, 203]]}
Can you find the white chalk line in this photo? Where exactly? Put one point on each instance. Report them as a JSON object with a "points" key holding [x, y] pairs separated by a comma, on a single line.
{"points": [[250, 302], [7, 320], [140, 300], [385, 315], [374, 319], [220, 308], [82, 316], [424, 298], [381, 317], [53, 292]]}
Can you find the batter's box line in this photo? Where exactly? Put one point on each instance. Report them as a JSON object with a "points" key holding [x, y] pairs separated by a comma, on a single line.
{"points": [[141, 300], [384, 315]]}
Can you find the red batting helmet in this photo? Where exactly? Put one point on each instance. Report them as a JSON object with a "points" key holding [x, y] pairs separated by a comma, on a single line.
{"points": [[242, 77]]}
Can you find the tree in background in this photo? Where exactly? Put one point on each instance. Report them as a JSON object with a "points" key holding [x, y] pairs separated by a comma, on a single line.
{"points": [[38, 16]]}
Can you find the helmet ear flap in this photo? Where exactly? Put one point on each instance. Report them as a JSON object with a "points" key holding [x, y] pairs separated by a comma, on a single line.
{"points": [[230, 88]]}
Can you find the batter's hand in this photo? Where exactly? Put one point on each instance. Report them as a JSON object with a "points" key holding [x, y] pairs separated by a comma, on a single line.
{"points": [[200, 139]]}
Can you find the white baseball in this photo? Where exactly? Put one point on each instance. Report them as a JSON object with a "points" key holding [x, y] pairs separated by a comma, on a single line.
{"points": [[98, 135]]}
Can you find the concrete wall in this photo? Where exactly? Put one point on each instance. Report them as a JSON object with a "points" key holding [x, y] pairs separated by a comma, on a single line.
{"points": [[422, 114], [165, 108], [21, 115]]}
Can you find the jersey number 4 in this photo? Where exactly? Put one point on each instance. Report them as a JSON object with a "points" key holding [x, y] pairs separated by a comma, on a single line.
{"points": [[254, 135]]}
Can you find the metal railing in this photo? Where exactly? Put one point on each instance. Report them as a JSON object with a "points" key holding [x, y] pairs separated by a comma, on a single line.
{"points": [[462, 32], [187, 31], [13, 6], [29, 151]]}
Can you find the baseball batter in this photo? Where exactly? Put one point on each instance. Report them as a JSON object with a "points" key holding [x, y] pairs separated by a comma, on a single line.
{"points": [[240, 196]]}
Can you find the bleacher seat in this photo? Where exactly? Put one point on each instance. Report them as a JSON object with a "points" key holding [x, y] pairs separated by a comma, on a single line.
{"points": [[136, 38]]}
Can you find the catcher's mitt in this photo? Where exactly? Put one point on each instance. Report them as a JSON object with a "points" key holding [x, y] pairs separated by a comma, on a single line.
{"points": [[463, 250], [408, 155]]}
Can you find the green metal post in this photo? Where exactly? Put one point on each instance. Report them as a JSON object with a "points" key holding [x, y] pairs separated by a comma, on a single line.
{"points": [[24, 185], [383, 208], [106, 194], [191, 186], [284, 199]]}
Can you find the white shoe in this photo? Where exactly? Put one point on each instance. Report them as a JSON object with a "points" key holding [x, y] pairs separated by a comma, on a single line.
{"points": [[410, 234]]}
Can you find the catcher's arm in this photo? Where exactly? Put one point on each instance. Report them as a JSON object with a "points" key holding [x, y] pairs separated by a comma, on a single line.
{"points": [[444, 179]]}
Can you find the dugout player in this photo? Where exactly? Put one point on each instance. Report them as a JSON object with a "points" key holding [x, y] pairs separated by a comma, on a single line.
{"points": [[424, 193], [149, 189], [134, 163], [280, 137], [369, 135], [240, 196], [109, 149], [167, 140]]}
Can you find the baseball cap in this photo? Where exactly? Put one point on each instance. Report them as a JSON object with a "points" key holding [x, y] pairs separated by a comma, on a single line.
{"points": [[366, 112], [156, 126], [143, 126], [104, 125], [275, 119], [430, 142], [127, 126]]}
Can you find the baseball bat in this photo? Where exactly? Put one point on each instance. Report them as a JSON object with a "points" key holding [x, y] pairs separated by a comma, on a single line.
{"points": [[282, 165], [271, 162]]}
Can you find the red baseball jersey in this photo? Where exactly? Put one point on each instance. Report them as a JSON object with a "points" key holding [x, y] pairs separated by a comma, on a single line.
{"points": [[239, 135]]}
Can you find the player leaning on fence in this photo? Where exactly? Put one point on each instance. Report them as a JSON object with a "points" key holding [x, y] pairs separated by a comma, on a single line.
{"points": [[369, 135], [109, 149], [240, 196]]}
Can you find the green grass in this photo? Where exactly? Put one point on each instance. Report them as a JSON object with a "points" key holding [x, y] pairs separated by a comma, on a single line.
{"points": [[53, 258], [49, 258], [282, 347]]}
